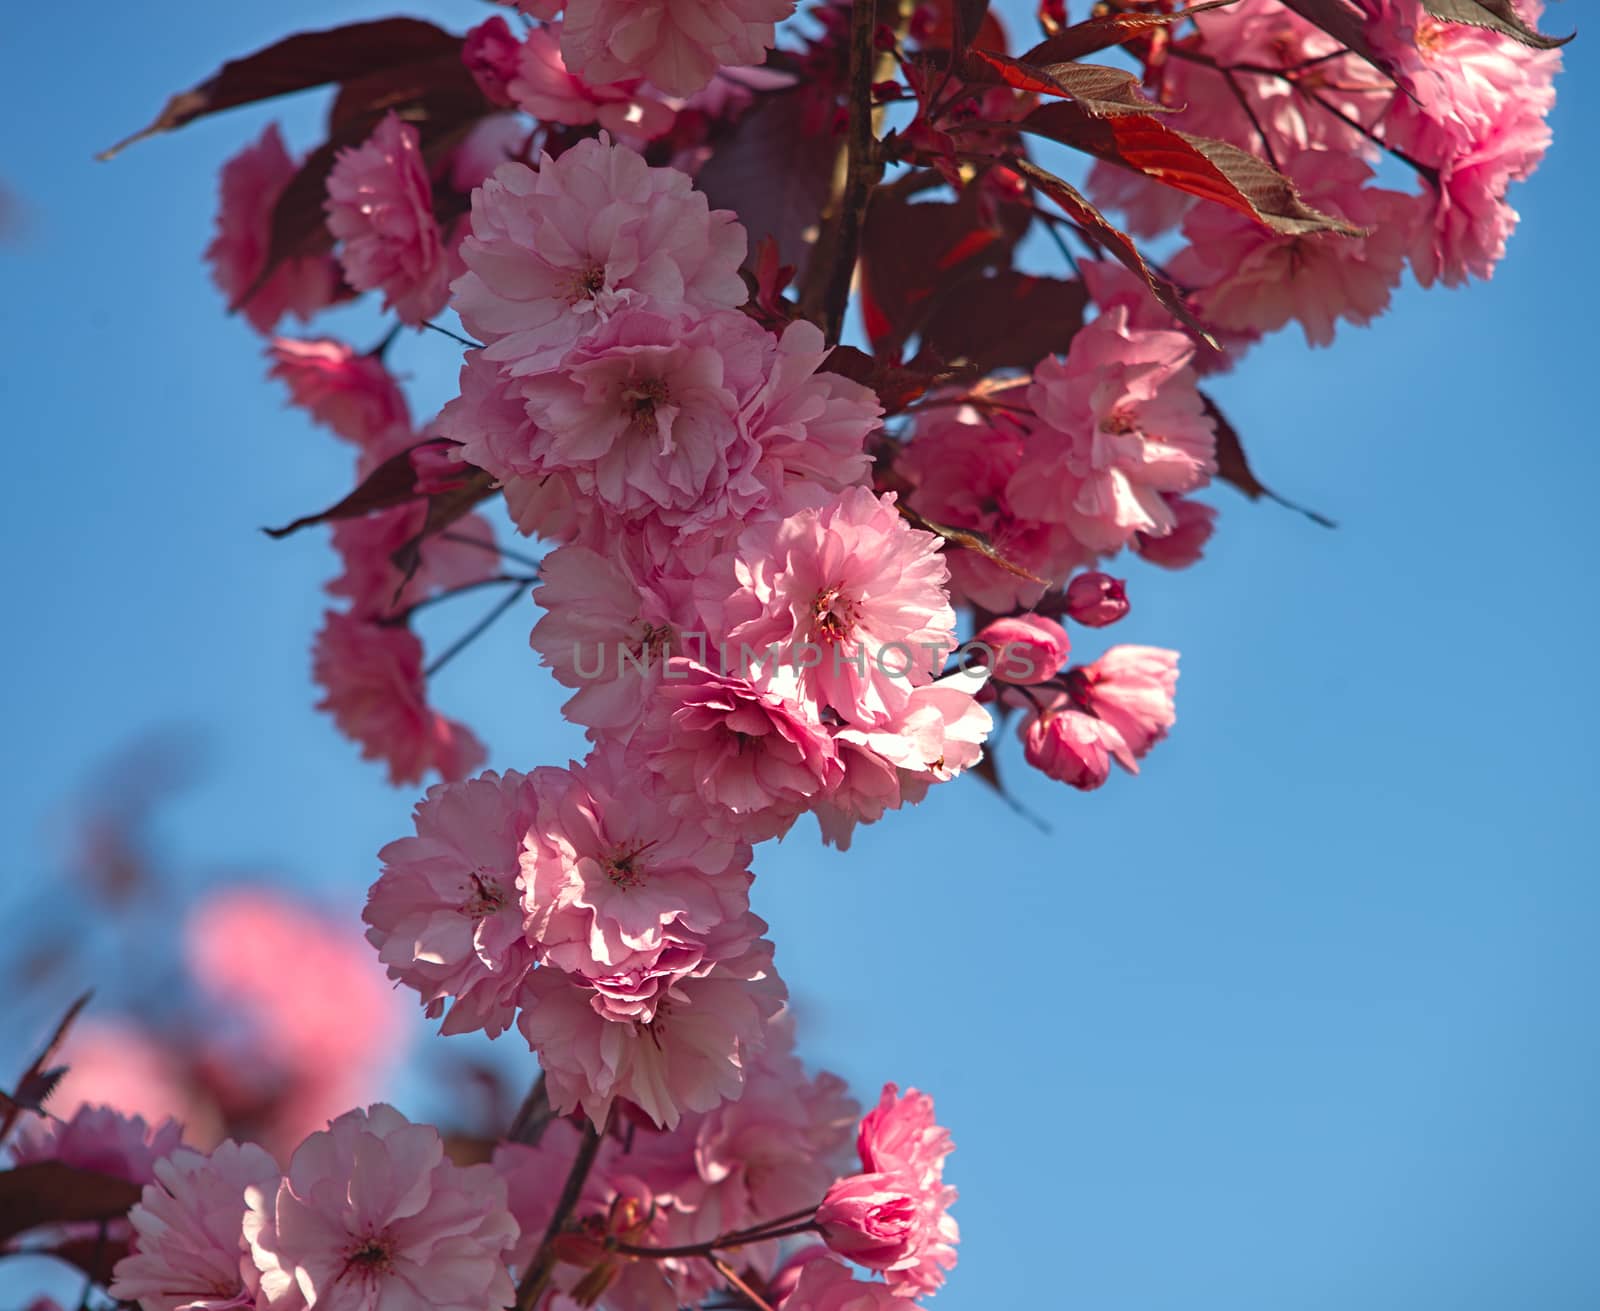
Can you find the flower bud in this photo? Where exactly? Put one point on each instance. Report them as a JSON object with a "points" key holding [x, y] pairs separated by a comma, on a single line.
{"points": [[1024, 648], [1071, 747], [869, 1218], [1095, 599]]}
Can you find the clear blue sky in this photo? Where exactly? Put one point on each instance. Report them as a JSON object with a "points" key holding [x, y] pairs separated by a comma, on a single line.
{"points": [[1301, 1020]]}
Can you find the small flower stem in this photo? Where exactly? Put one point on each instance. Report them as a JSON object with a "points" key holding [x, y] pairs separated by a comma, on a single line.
{"points": [[476, 631], [454, 336], [725, 1242], [732, 1276], [528, 1125]]}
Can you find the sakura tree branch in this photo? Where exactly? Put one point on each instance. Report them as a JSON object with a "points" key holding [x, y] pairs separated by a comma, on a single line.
{"points": [[532, 1116], [477, 630], [732, 1276], [401, 616], [537, 1276], [857, 170], [722, 1243]]}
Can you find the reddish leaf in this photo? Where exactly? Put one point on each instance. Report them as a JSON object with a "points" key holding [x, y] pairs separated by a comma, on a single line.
{"points": [[436, 96], [1012, 320], [959, 24], [1096, 225], [48, 1193], [1234, 469], [394, 482], [1098, 89], [1106, 31], [911, 253], [298, 63], [1210, 169], [1346, 26], [1498, 16], [774, 171], [38, 1081], [896, 384], [444, 508]]}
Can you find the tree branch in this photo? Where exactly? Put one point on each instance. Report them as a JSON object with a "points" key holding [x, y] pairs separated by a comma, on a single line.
{"points": [[537, 1276]]}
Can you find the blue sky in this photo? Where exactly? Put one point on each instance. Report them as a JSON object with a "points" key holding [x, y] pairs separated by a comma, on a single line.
{"points": [[1300, 1020]]}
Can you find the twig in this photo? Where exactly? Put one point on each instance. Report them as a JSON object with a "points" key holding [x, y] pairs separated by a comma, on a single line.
{"points": [[732, 1276], [466, 539], [724, 1242], [532, 1115], [857, 169], [476, 631], [401, 616], [537, 1276], [455, 336]]}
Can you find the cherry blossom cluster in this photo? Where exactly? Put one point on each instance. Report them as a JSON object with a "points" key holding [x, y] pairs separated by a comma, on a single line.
{"points": [[777, 574]]}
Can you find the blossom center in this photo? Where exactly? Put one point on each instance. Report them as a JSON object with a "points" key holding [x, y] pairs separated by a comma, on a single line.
{"points": [[623, 869], [587, 283], [370, 1256], [485, 900], [833, 614], [642, 399], [1119, 422]]}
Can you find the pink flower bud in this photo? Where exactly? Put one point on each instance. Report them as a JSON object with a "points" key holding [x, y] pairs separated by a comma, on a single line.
{"points": [[1071, 747], [870, 1218], [1024, 648], [1095, 599]]}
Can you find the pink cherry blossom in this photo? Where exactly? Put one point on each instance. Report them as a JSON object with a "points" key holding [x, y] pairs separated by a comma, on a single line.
{"points": [[1130, 688], [645, 417], [100, 1139], [606, 632], [188, 1252], [853, 595], [870, 1218], [554, 252], [671, 1039], [252, 181], [812, 424], [368, 547], [610, 876], [1070, 746], [959, 465], [827, 1285], [445, 915], [899, 1138], [1185, 544], [317, 1037], [353, 395], [541, 85], [1026, 648], [1096, 600], [1247, 277], [1119, 423], [491, 53], [770, 1153], [380, 208], [372, 678], [371, 1215], [748, 758], [115, 1061], [675, 44]]}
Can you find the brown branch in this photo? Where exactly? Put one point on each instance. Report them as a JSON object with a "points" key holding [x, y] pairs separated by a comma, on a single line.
{"points": [[726, 1242], [532, 1116], [537, 1276], [857, 169], [734, 1281]]}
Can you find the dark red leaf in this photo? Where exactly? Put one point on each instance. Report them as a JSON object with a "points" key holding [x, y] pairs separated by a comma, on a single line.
{"points": [[1012, 320], [444, 508], [1234, 469], [1098, 89], [38, 1081], [774, 171], [912, 254], [896, 384], [49, 1193], [1106, 31], [1210, 169], [299, 62], [394, 482], [1096, 225], [1498, 16]]}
